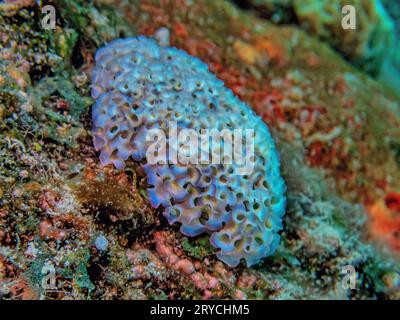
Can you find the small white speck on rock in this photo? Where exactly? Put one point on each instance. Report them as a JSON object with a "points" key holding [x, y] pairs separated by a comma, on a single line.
{"points": [[101, 243]]}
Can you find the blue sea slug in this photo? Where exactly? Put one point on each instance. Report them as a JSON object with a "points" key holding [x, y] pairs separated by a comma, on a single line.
{"points": [[139, 86]]}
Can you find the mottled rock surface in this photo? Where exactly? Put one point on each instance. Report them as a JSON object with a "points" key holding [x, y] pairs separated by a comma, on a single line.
{"points": [[336, 130]]}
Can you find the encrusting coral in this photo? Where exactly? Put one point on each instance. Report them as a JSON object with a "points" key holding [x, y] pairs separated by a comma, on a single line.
{"points": [[138, 86], [367, 46], [336, 129]]}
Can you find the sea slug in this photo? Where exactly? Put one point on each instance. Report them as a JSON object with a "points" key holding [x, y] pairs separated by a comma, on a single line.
{"points": [[140, 86]]}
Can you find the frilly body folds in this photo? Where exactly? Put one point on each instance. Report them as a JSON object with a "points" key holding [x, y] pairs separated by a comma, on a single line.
{"points": [[139, 85]]}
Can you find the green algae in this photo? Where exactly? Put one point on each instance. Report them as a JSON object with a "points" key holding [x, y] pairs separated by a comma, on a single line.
{"points": [[298, 266], [75, 267], [198, 248], [94, 23]]}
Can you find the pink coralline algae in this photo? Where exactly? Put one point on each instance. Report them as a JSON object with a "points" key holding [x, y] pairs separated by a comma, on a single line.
{"points": [[138, 86]]}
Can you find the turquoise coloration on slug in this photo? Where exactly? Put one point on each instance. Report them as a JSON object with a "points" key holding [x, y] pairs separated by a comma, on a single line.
{"points": [[138, 86]]}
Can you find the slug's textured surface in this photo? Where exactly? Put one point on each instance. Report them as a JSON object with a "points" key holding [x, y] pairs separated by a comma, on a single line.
{"points": [[139, 85]]}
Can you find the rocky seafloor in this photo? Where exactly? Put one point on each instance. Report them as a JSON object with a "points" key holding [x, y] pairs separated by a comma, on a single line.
{"points": [[329, 99]]}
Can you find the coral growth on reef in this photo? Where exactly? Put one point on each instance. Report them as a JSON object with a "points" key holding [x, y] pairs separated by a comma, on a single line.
{"points": [[367, 46], [139, 86], [335, 127]]}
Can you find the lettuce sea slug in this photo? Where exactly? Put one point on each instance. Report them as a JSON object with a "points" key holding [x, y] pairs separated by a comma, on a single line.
{"points": [[140, 88]]}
